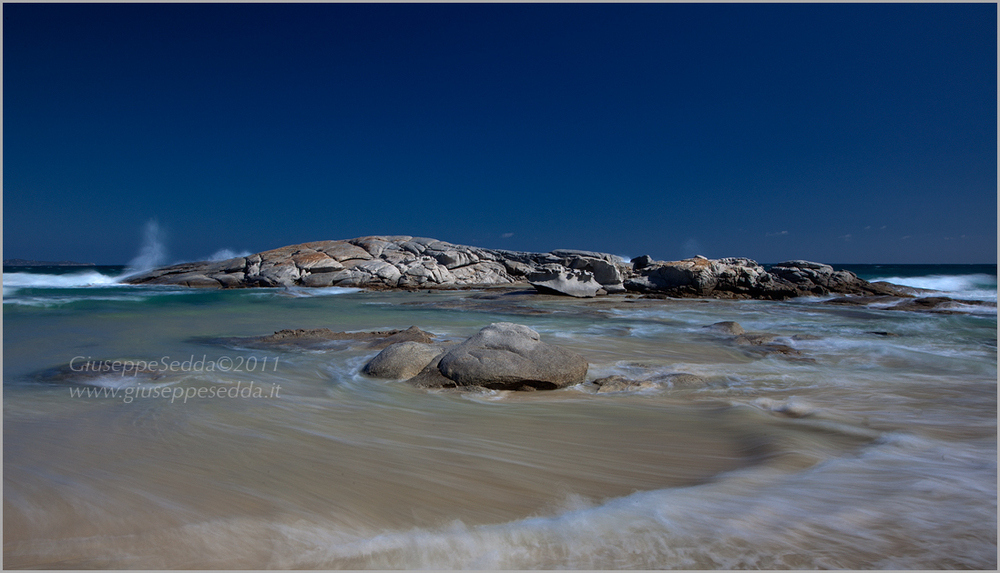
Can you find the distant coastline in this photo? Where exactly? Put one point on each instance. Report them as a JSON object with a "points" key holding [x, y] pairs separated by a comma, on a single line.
{"points": [[30, 263]]}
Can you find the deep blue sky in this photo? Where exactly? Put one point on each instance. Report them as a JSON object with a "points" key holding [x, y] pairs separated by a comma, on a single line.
{"points": [[861, 133]]}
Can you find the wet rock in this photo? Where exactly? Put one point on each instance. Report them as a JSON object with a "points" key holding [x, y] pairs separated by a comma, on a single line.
{"points": [[621, 384], [930, 303], [674, 381], [790, 408], [681, 380], [727, 327], [806, 337], [506, 356], [754, 339], [101, 372], [762, 344], [402, 360]]}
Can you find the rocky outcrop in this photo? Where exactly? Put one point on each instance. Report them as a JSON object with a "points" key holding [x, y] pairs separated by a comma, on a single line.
{"points": [[727, 327], [743, 278], [933, 304], [404, 262], [702, 277], [387, 262], [819, 279]]}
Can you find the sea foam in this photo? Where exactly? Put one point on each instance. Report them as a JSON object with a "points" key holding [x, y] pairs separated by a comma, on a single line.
{"points": [[972, 287]]}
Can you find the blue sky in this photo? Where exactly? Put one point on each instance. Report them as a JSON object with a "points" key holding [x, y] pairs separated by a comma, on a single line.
{"points": [[860, 133]]}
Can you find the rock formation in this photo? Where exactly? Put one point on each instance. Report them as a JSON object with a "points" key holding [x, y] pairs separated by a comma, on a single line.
{"points": [[501, 356], [404, 262], [381, 262]]}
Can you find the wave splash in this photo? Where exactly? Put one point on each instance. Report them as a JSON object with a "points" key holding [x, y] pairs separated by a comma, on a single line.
{"points": [[972, 287], [153, 252]]}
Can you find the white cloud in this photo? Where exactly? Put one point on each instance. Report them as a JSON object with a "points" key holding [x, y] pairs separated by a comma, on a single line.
{"points": [[506, 235], [778, 234]]}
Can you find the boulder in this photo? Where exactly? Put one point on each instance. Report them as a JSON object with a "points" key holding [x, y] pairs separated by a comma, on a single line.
{"points": [[402, 360], [508, 356]]}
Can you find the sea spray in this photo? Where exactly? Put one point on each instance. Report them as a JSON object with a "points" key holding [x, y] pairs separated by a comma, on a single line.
{"points": [[226, 254], [153, 252]]}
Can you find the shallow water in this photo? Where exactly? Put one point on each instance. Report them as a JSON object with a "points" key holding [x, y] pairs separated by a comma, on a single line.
{"points": [[892, 463]]}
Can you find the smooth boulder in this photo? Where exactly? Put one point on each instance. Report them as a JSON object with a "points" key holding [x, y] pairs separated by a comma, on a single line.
{"points": [[507, 356], [402, 360]]}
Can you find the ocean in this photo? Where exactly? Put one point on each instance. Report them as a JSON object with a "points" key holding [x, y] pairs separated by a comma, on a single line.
{"points": [[869, 443]]}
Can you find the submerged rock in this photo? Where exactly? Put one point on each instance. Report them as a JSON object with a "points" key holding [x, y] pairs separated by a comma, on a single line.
{"points": [[101, 372], [727, 327], [321, 337], [618, 383], [673, 381]]}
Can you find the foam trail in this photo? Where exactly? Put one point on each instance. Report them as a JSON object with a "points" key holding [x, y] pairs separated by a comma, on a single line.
{"points": [[35, 280], [153, 252]]}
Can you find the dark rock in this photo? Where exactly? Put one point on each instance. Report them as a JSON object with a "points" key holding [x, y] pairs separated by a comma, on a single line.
{"points": [[101, 372], [642, 262]]}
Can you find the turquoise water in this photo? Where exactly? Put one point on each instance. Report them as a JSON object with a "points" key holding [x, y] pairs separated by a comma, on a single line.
{"points": [[889, 460]]}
